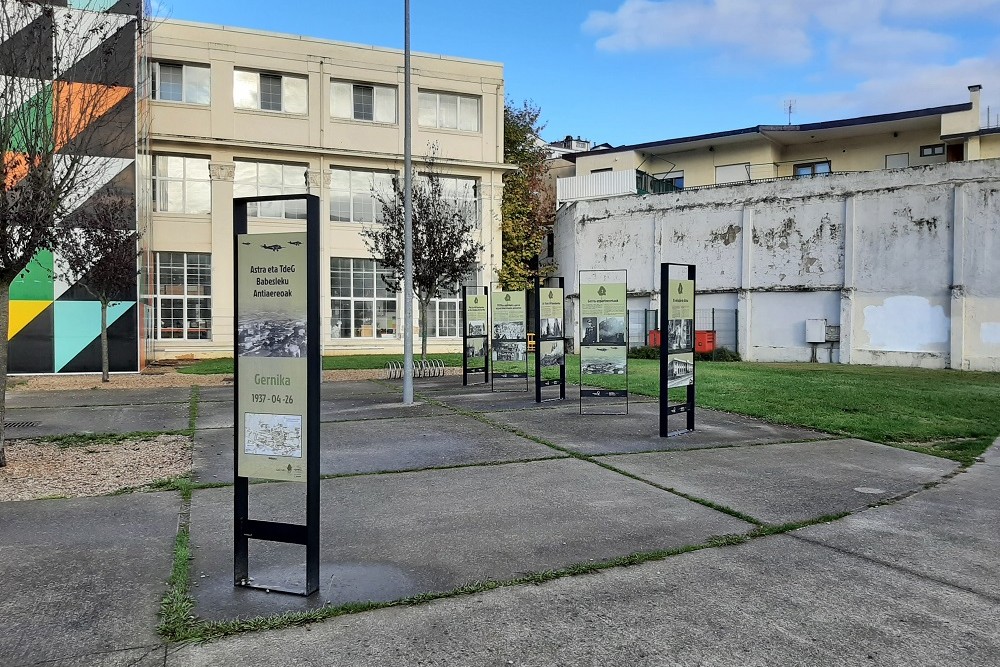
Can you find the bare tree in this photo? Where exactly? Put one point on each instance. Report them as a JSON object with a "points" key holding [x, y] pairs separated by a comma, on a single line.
{"points": [[444, 251], [99, 251], [64, 72]]}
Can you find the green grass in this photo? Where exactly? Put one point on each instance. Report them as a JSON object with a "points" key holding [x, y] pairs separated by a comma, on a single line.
{"points": [[942, 412], [336, 363]]}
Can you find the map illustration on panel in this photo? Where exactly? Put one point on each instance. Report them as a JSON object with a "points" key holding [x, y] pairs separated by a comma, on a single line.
{"points": [[273, 435]]}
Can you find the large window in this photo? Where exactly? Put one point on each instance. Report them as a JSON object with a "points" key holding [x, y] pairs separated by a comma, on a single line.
{"points": [[260, 179], [182, 296], [362, 101], [352, 194], [462, 193], [449, 111], [362, 306], [174, 82], [181, 184], [270, 92], [812, 168], [442, 315]]}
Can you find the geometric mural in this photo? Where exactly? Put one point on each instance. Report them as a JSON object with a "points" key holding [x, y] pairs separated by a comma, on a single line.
{"points": [[55, 327]]}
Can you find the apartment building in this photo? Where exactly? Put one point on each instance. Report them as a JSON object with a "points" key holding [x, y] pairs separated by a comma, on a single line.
{"points": [[236, 112], [869, 143]]}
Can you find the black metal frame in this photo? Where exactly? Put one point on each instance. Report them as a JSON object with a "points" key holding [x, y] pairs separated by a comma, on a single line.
{"points": [[688, 406], [561, 382], [245, 528], [509, 376], [602, 393], [466, 371]]}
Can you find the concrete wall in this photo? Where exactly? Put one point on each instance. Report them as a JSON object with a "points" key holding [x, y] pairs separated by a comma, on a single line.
{"points": [[904, 260]]}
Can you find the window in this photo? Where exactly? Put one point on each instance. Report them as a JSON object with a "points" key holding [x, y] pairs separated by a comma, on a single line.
{"points": [[181, 184], [270, 92], [182, 296], [462, 192], [897, 160], [175, 82], [361, 304], [732, 173], [812, 168], [352, 194], [363, 102], [448, 111], [602, 170], [931, 151], [260, 179], [442, 315]]}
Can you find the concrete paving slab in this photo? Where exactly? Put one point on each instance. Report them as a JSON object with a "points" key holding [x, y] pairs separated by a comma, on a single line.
{"points": [[639, 431], [775, 601], [392, 536], [219, 414], [98, 419], [146, 656], [210, 394], [340, 389], [83, 576], [395, 445], [90, 397], [950, 533], [480, 398], [793, 481]]}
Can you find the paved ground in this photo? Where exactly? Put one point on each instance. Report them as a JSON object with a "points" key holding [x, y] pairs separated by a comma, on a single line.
{"points": [[472, 485]]}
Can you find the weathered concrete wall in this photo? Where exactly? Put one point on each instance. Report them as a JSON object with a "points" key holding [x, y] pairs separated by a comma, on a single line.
{"points": [[906, 261]]}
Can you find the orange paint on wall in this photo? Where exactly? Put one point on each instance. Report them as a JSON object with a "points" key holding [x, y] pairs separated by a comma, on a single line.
{"points": [[77, 105]]}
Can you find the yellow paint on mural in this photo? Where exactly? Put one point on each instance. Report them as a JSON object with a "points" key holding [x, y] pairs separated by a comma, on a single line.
{"points": [[21, 314]]}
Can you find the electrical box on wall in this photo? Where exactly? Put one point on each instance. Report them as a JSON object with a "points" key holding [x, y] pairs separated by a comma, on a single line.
{"points": [[816, 331]]}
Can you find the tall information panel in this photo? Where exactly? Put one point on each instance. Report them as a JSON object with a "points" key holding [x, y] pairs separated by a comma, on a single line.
{"points": [[550, 337], [278, 372], [604, 339], [475, 336], [510, 337], [677, 290]]}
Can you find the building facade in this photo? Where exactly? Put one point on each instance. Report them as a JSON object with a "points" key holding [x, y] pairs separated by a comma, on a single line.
{"points": [[888, 141], [236, 112]]}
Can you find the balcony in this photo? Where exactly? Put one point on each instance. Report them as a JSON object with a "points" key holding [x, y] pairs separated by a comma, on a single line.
{"points": [[610, 184]]}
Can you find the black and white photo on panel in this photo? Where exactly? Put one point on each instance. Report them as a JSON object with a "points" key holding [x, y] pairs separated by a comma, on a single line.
{"points": [[552, 352], [611, 331], [271, 335], [510, 351], [509, 331], [680, 334]]}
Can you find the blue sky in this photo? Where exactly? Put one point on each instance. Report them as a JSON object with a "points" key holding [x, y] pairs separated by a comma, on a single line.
{"points": [[628, 71]]}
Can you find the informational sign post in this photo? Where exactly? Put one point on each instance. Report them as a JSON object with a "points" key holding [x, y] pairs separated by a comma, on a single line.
{"points": [[550, 337], [278, 366], [510, 337], [677, 341], [475, 336], [604, 338]]}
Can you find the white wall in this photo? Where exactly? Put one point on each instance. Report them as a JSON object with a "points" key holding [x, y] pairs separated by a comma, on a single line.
{"points": [[906, 261]]}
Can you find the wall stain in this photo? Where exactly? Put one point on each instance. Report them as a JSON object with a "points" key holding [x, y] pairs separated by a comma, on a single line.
{"points": [[726, 236]]}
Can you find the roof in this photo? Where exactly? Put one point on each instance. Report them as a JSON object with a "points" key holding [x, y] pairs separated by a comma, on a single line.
{"points": [[761, 129]]}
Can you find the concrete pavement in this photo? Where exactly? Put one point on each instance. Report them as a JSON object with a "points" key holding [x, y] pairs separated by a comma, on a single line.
{"points": [[471, 491]]}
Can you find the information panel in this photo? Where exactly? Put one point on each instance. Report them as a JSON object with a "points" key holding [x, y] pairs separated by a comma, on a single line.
{"points": [[550, 346], [677, 364], [510, 335], [603, 336], [273, 362], [476, 333]]}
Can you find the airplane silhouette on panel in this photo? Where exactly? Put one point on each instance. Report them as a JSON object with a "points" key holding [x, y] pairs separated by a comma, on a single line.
{"points": [[274, 247], [246, 243], [295, 243]]}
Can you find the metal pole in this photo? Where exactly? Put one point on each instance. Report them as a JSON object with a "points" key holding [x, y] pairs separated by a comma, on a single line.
{"points": [[407, 217]]}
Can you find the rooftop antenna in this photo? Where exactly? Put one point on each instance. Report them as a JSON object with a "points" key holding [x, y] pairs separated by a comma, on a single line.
{"points": [[789, 108]]}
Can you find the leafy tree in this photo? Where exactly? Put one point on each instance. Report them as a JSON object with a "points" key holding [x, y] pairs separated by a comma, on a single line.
{"points": [[444, 251], [54, 120], [99, 251], [528, 206]]}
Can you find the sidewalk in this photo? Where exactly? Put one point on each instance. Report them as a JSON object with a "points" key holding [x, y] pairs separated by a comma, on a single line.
{"points": [[472, 486]]}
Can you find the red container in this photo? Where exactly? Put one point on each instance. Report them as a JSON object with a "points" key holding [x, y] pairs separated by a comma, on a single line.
{"points": [[653, 339], [704, 341]]}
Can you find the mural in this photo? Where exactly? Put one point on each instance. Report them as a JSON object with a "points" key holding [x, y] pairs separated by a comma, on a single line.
{"points": [[55, 327]]}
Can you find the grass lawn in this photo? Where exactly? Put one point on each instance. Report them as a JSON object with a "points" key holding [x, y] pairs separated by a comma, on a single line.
{"points": [[955, 414]]}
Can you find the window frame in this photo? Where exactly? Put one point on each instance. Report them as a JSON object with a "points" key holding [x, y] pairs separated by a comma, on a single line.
{"points": [[296, 208], [184, 180], [812, 168], [182, 293], [438, 94], [379, 295], [352, 194], [932, 150], [284, 92], [155, 79], [352, 115]]}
